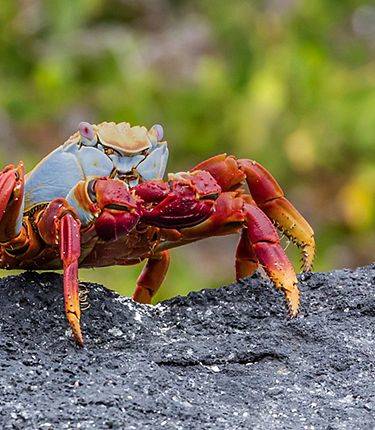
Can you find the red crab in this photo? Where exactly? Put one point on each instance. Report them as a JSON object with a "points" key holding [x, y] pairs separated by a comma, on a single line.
{"points": [[100, 200]]}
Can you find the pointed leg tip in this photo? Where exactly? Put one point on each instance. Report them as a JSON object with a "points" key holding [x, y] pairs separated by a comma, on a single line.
{"points": [[293, 305], [308, 254], [293, 312], [78, 338], [291, 293], [292, 297], [306, 267], [74, 323]]}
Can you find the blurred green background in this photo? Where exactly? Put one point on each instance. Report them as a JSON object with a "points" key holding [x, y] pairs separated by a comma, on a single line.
{"points": [[289, 83]]}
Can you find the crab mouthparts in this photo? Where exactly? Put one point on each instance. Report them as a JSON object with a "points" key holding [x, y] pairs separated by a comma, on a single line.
{"points": [[120, 207], [213, 196]]}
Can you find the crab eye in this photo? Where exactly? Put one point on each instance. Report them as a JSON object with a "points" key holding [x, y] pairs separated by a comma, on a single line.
{"points": [[87, 133], [109, 151], [158, 131]]}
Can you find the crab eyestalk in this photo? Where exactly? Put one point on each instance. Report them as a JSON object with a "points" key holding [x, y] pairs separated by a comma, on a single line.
{"points": [[157, 131], [88, 134]]}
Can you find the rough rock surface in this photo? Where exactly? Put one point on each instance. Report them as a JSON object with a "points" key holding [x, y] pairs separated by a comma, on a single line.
{"points": [[219, 359]]}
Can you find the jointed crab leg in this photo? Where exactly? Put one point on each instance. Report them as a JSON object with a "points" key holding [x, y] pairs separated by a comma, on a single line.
{"points": [[246, 260], [151, 278], [269, 196], [11, 201], [58, 225], [259, 242], [266, 245], [230, 173], [70, 250]]}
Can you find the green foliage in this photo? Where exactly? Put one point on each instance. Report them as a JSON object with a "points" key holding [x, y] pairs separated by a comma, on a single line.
{"points": [[289, 83]]}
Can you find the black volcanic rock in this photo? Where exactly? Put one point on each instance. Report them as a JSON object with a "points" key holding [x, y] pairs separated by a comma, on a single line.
{"points": [[218, 359]]}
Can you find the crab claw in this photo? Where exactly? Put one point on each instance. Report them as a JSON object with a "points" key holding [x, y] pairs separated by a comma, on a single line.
{"points": [[187, 201], [117, 207]]}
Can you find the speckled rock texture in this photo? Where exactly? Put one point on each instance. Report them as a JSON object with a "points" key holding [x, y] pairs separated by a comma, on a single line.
{"points": [[219, 359]]}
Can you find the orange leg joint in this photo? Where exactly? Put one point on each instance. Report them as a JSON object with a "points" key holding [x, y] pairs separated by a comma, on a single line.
{"points": [[225, 171]]}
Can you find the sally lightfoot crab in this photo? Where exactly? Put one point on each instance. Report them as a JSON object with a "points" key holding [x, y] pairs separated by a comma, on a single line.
{"points": [[100, 200]]}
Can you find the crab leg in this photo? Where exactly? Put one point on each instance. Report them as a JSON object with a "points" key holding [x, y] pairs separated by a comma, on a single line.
{"points": [[151, 278], [259, 242], [59, 225], [246, 260], [266, 245], [269, 196], [70, 250], [11, 201], [230, 174]]}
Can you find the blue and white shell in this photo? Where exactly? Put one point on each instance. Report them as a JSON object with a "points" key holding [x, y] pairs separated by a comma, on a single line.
{"points": [[133, 154]]}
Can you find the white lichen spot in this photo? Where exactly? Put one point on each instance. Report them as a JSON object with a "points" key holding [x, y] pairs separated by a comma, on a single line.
{"points": [[214, 368], [115, 331]]}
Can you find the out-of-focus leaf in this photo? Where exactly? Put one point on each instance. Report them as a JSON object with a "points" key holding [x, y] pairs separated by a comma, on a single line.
{"points": [[357, 200]]}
